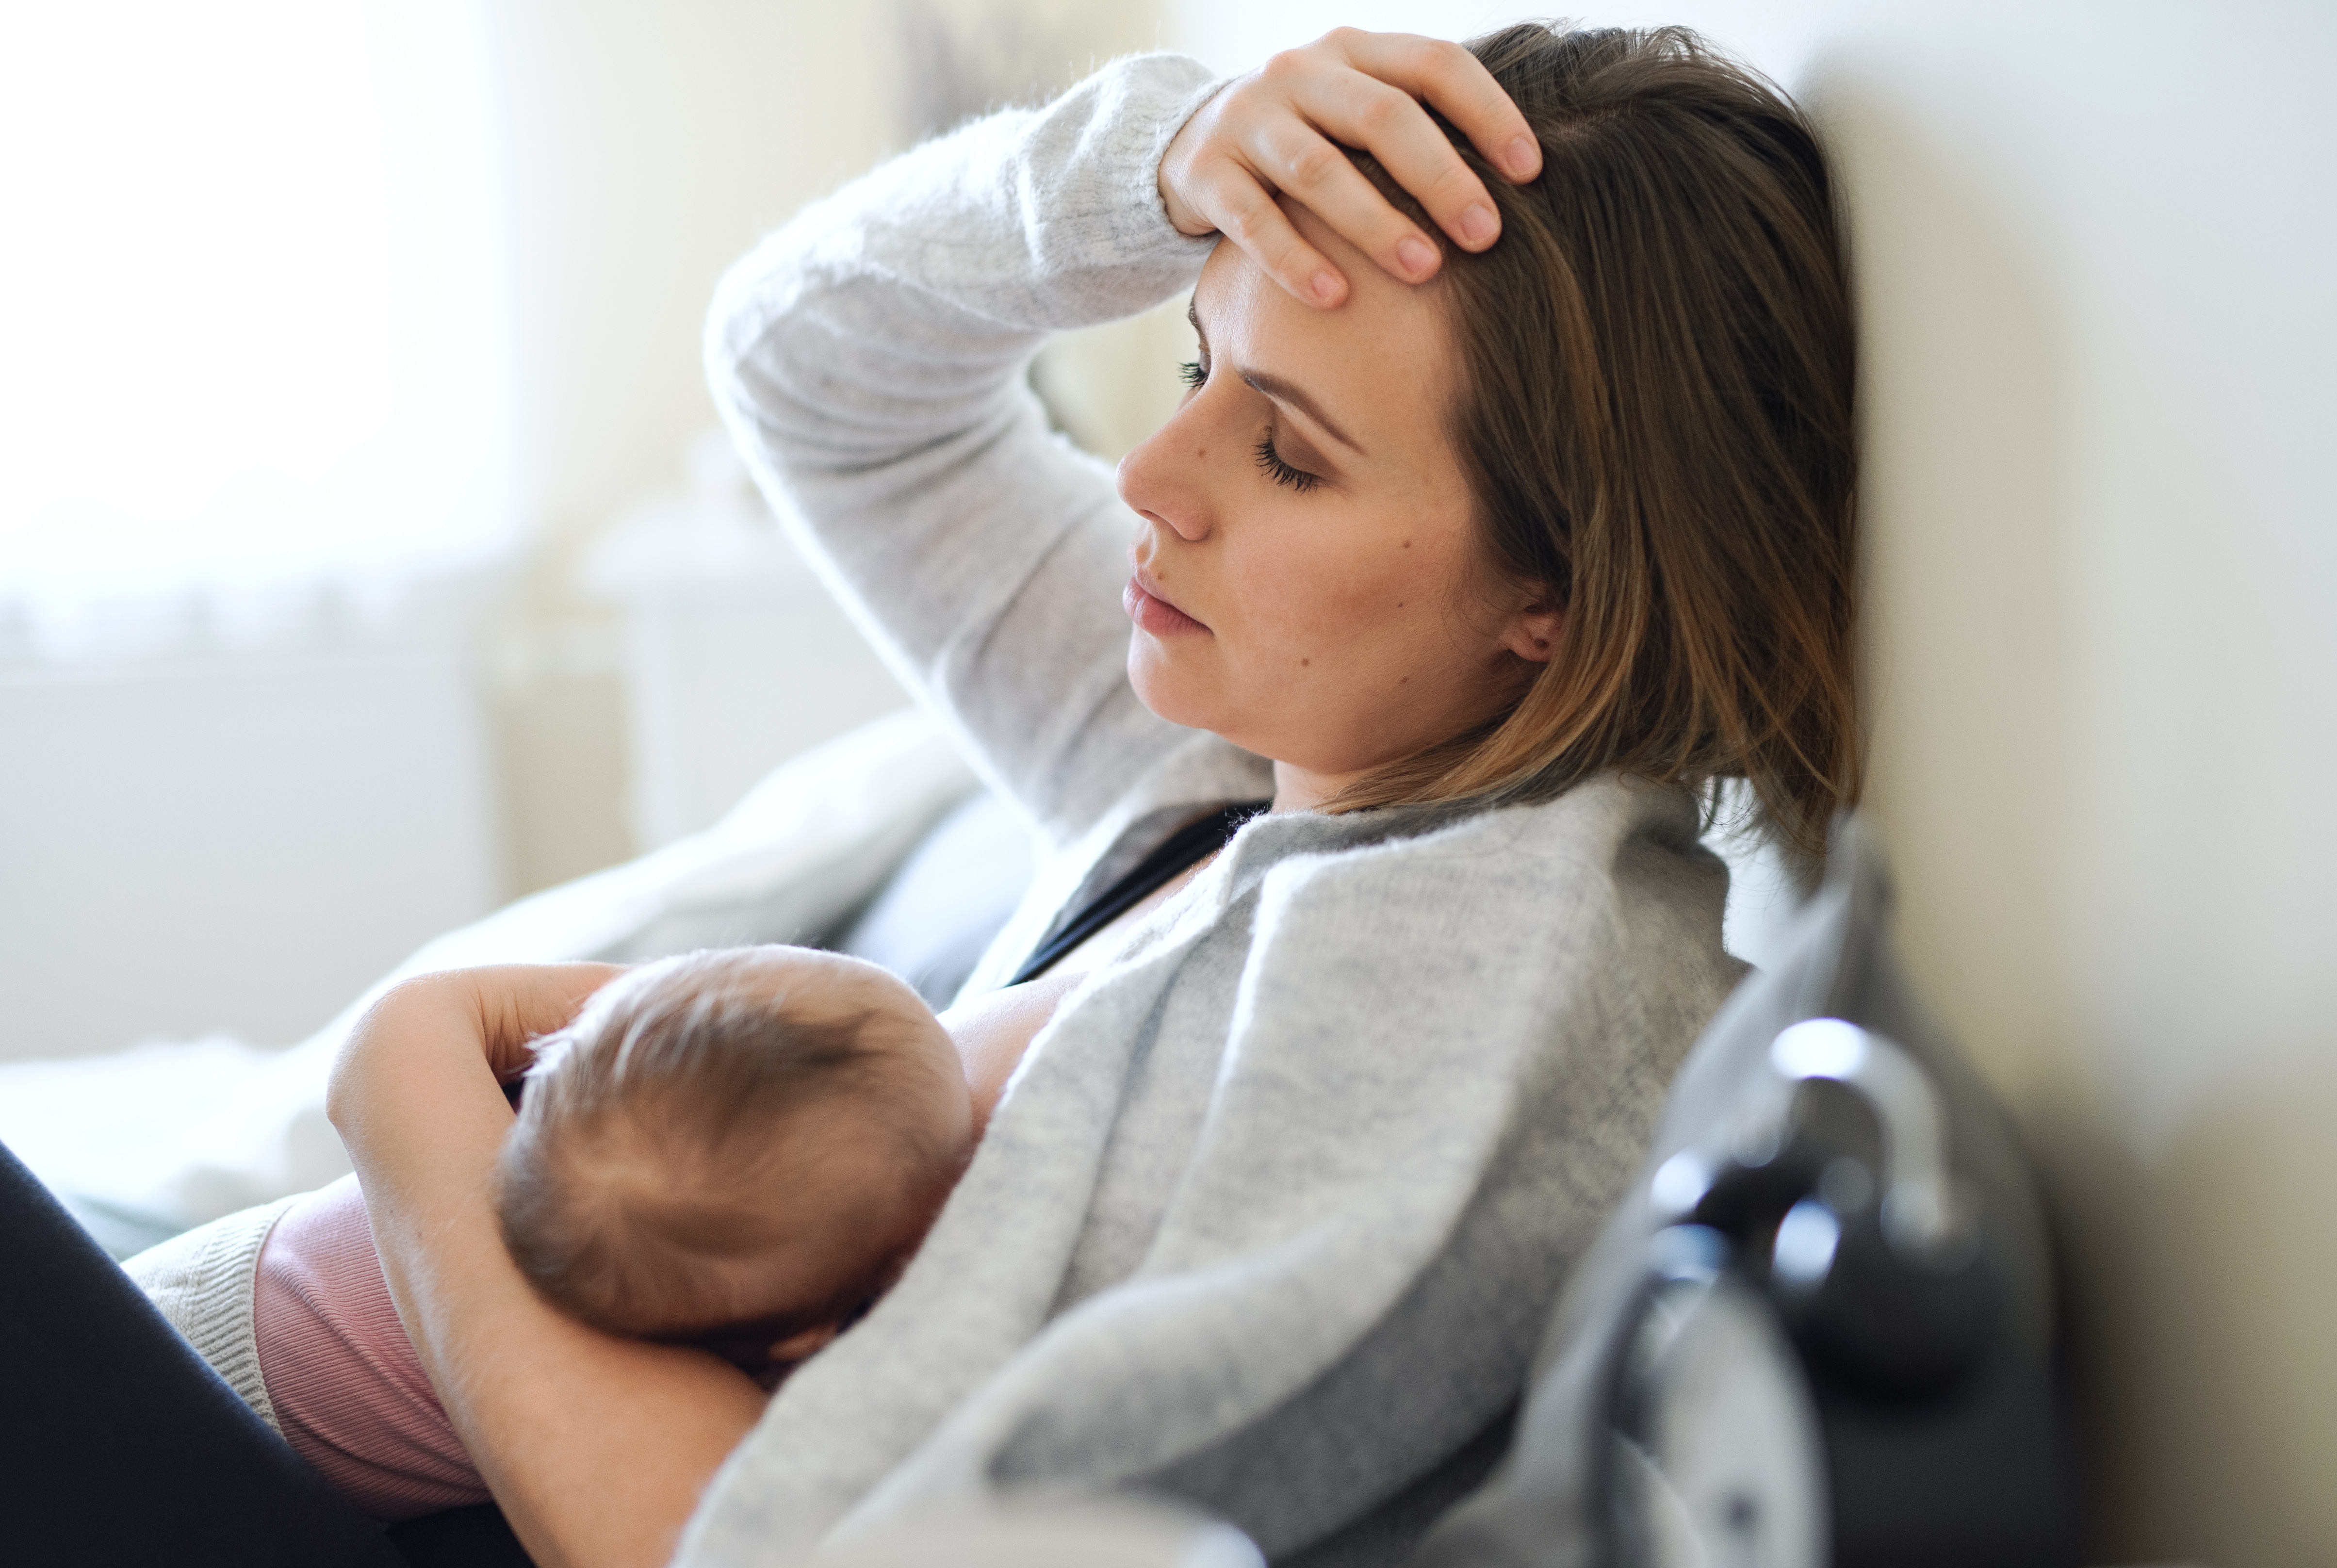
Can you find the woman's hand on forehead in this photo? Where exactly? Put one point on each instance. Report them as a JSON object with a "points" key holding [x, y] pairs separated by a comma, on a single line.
{"points": [[1283, 129]]}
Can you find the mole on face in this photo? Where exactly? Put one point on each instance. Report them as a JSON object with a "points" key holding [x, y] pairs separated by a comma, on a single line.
{"points": [[1304, 663]]}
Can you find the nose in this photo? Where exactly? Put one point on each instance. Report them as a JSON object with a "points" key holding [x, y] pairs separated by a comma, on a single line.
{"points": [[1162, 479]]}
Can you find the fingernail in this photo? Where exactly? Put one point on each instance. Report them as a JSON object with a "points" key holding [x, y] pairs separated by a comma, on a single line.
{"points": [[1477, 223], [1414, 255], [1325, 287], [1520, 155]]}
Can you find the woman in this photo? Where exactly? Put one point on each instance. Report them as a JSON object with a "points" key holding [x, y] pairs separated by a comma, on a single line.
{"points": [[1508, 511]]}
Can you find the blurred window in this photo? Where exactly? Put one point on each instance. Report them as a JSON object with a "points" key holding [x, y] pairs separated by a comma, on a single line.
{"points": [[251, 326]]}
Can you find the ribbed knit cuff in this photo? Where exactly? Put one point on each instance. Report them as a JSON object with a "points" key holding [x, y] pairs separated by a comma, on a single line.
{"points": [[202, 1283], [1163, 91]]}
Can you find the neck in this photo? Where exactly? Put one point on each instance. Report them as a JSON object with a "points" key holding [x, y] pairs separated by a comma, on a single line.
{"points": [[1297, 789]]}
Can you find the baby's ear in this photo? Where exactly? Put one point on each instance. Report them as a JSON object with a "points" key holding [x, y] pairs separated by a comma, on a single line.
{"points": [[803, 1347]]}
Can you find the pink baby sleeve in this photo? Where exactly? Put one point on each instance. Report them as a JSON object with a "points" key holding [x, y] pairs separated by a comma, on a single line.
{"points": [[347, 1385]]}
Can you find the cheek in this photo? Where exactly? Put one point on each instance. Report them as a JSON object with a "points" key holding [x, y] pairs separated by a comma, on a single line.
{"points": [[1349, 595]]}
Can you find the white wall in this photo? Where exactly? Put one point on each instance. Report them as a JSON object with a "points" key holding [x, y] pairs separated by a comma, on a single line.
{"points": [[2093, 244], [235, 840], [250, 297], [251, 423], [644, 147], [2099, 339], [647, 146]]}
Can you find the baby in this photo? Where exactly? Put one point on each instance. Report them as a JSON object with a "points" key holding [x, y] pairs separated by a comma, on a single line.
{"points": [[734, 1151]]}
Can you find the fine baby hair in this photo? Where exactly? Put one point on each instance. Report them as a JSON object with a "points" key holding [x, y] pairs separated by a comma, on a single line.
{"points": [[676, 1136]]}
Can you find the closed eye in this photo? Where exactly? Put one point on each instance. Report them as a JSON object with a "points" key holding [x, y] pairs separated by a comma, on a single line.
{"points": [[1280, 471], [1192, 373]]}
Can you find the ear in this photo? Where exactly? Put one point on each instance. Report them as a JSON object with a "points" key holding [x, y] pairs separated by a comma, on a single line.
{"points": [[1532, 633]]}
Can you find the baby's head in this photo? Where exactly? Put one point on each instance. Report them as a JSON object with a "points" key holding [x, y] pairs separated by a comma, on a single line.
{"points": [[736, 1149]]}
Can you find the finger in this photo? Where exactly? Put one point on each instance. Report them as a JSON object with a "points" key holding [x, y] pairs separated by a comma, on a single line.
{"points": [[1242, 209], [1390, 124], [1304, 165], [1456, 84]]}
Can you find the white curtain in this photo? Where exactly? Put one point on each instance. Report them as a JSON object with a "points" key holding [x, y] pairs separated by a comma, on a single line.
{"points": [[253, 336]]}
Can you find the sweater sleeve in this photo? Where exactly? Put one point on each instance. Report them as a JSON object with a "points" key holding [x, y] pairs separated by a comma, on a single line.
{"points": [[871, 361]]}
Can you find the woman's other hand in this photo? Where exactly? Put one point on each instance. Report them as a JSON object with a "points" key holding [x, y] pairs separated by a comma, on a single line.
{"points": [[1282, 131]]}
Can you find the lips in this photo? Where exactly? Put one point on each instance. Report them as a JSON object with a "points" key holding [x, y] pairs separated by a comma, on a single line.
{"points": [[1153, 612]]}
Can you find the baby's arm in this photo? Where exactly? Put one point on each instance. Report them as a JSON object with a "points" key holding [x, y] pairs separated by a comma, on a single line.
{"points": [[348, 1389]]}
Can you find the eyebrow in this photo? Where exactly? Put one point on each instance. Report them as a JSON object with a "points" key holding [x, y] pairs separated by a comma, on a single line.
{"points": [[1281, 391]]}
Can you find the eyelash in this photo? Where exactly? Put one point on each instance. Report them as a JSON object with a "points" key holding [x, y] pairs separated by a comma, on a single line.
{"points": [[1282, 473], [1193, 373]]}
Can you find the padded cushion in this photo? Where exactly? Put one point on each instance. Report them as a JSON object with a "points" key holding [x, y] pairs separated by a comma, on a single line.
{"points": [[933, 921]]}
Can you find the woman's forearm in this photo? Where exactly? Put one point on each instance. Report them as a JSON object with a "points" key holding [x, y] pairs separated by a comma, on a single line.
{"points": [[596, 1447], [872, 362], [939, 271]]}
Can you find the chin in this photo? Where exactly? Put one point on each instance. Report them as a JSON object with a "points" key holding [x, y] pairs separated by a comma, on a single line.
{"points": [[1188, 698], [1164, 689]]}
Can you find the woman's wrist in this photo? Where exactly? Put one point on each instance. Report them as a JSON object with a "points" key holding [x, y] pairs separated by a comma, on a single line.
{"points": [[1108, 138]]}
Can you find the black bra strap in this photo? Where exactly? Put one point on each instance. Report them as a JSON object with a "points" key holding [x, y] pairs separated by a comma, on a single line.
{"points": [[1184, 848]]}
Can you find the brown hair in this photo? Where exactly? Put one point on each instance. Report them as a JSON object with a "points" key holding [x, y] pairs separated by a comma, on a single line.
{"points": [[694, 1063], [1656, 417]]}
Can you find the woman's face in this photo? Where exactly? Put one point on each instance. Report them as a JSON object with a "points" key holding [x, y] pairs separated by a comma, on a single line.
{"points": [[1307, 581]]}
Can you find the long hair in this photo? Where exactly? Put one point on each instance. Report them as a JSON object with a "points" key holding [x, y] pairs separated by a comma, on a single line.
{"points": [[1656, 418]]}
